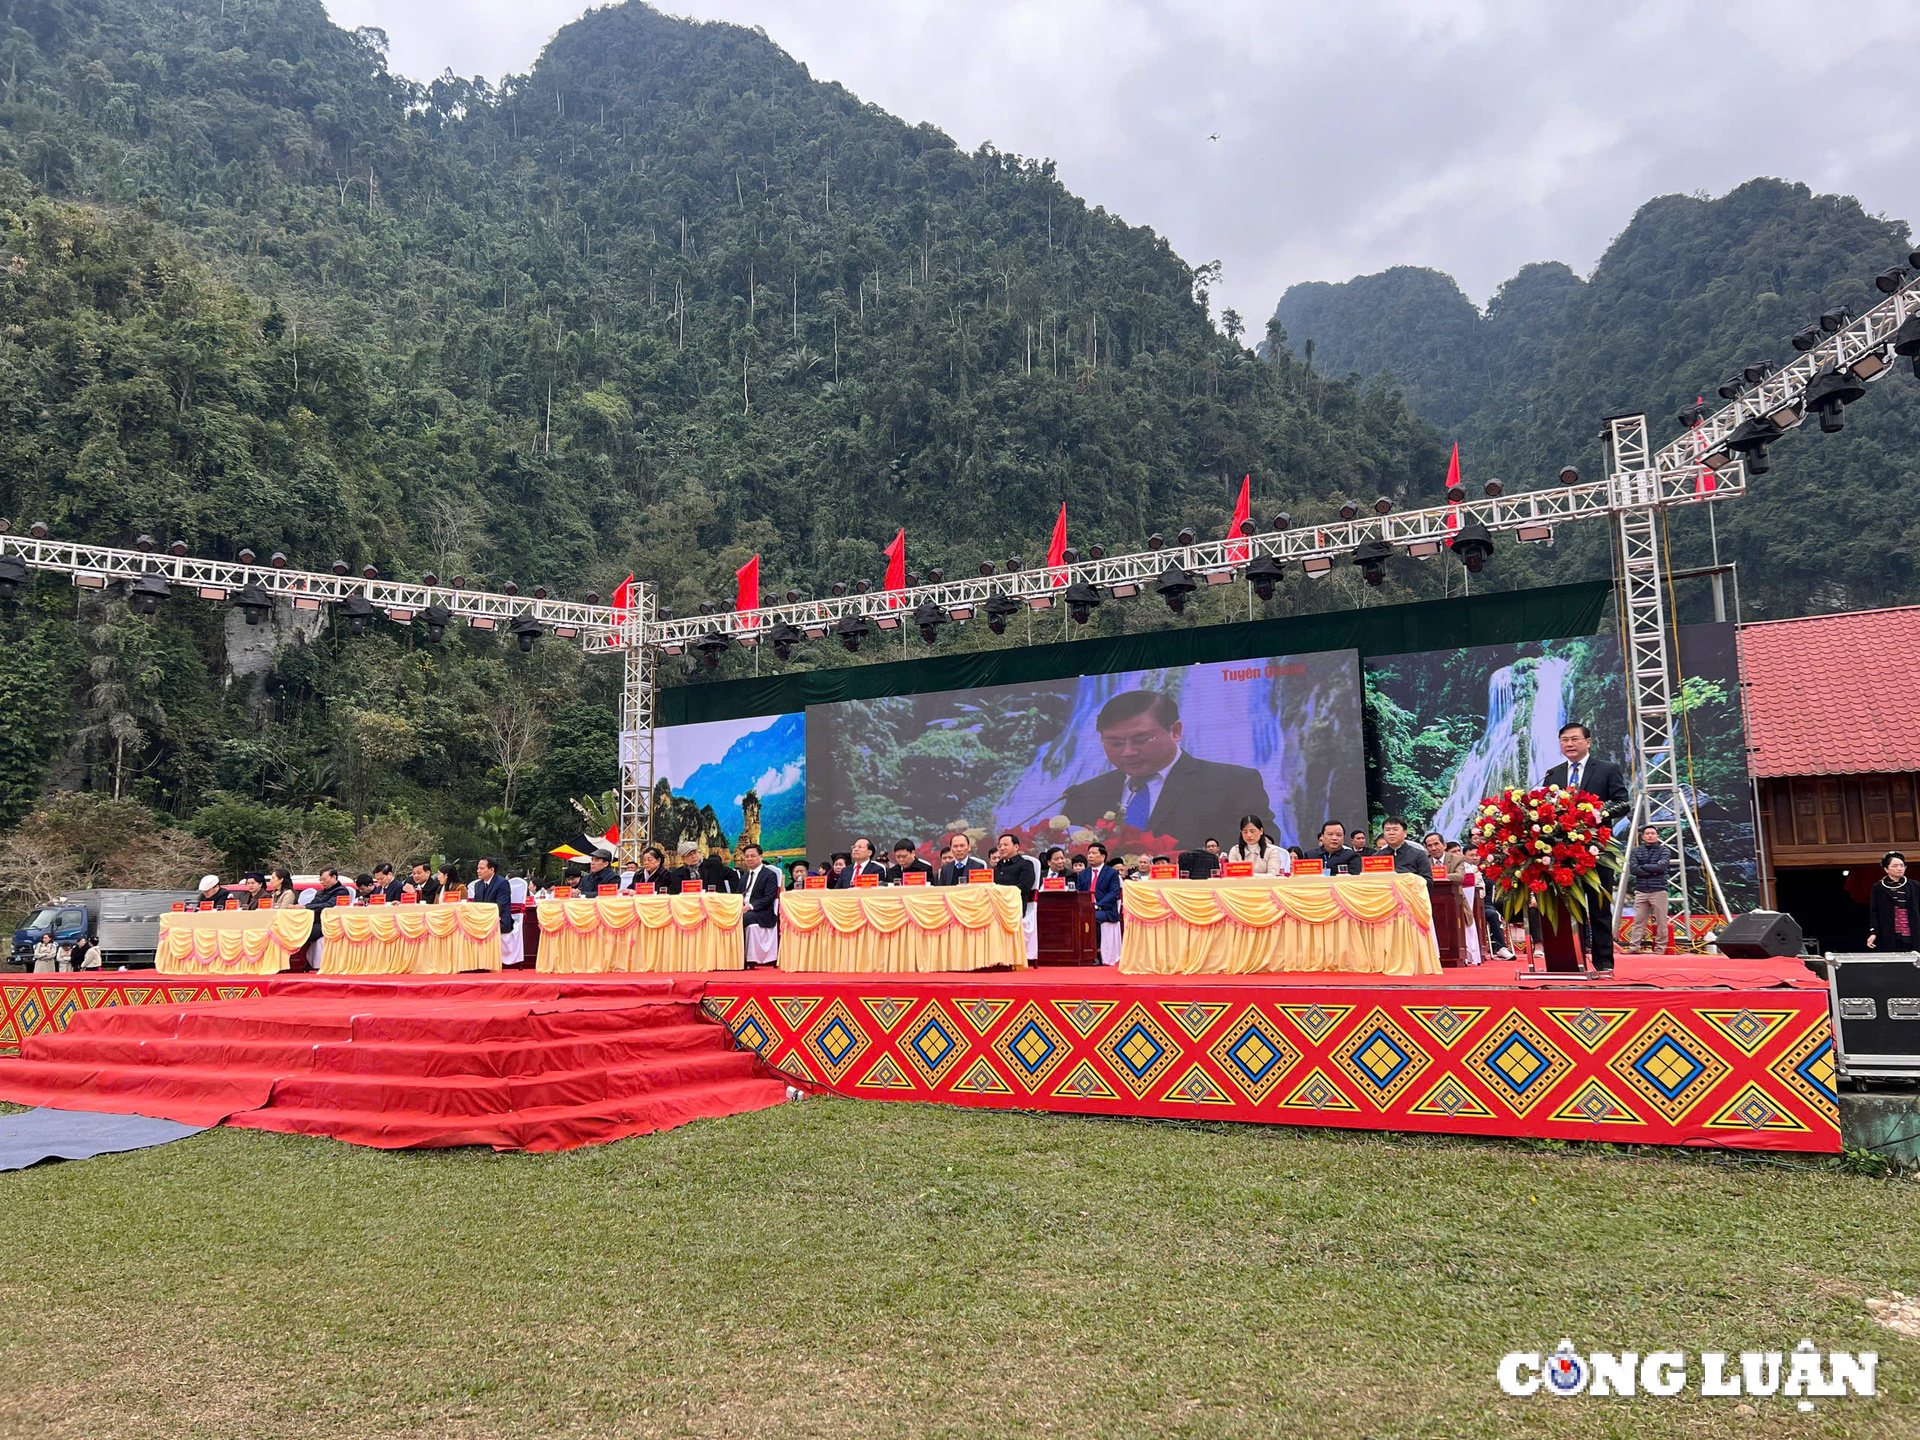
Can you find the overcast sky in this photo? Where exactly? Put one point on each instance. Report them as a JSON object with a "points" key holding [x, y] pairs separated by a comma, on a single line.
{"points": [[1353, 134]]}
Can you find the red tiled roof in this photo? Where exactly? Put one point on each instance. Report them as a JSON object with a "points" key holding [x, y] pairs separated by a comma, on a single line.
{"points": [[1834, 694]]}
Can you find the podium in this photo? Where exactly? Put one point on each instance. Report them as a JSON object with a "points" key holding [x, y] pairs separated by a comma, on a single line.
{"points": [[1450, 919], [1067, 933]]}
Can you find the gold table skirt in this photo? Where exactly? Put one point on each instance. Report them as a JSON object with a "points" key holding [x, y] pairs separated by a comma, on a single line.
{"points": [[1380, 924], [641, 932], [902, 929], [230, 942], [409, 939]]}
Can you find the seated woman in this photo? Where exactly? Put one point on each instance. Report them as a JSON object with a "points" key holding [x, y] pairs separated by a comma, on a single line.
{"points": [[1256, 850]]}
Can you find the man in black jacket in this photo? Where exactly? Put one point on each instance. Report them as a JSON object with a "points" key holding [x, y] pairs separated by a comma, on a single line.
{"points": [[490, 887], [907, 861], [600, 872], [1333, 851], [1408, 858], [328, 891], [759, 916], [1583, 770], [1012, 867], [959, 870], [716, 874]]}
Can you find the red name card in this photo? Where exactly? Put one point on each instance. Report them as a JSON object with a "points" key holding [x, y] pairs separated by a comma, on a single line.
{"points": [[609, 889], [690, 887], [865, 882], [913, 877], [1375, 864], [1165, 872], [179, 907], [1309, 867], [643, 887], [980, 877], [376, 898], [816, 882], [1053, 882], [340, 900], [1236, 869], [407, 897], [233, 902]]}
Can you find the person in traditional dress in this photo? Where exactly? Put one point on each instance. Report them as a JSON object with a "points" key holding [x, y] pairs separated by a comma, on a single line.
{"points": [[1893, 909]]}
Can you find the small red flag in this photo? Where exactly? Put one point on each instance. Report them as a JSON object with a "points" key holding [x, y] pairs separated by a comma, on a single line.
{"points": [[748, 576], [1057, 547], [896, 565], [1453, 481], [1242, 513]]}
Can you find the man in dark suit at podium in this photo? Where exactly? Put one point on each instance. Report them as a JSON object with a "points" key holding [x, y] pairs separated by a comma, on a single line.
{"points": [[1583, 770], [1154, 785]]}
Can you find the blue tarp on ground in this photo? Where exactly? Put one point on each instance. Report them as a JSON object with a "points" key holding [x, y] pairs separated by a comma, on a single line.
{"points": [[30, 1136]]}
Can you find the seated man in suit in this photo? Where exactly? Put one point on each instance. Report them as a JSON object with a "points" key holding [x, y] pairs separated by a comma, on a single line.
{"points": [[493, 888], [959, 870], [1583, 770], [907, 861], [1154, 785], [1106, 901], [861, 862], [760, 910], [1408, 858], [1333, 851]]}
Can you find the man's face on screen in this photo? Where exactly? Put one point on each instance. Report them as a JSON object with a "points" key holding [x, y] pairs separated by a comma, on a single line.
{"points": [[1140, 745]]}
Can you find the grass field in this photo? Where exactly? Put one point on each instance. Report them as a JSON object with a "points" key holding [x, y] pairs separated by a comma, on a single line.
{"points": [[842, 1269]]}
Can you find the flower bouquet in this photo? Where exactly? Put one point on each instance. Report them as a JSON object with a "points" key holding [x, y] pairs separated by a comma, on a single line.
{"points": [[1545, 847]]}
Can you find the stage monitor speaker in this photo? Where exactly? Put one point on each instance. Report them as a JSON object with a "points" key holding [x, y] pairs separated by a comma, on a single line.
{"points": [[1760, 934]]}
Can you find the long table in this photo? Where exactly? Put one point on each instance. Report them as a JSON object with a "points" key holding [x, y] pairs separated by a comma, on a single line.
{"points": [[901, 929], [641, 932], [230, 942], [409, 939], [1375, 924]]}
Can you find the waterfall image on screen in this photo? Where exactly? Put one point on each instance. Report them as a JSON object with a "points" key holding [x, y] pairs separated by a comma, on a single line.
{"points": [[1149, 759]]}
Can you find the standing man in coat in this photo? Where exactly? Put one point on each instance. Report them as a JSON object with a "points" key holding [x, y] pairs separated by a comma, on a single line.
{"points": [[760, 913], [1583, 770], [1106, 901]]}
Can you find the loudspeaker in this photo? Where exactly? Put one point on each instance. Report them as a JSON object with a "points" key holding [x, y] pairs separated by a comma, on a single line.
{"points": [[1759, 934]]}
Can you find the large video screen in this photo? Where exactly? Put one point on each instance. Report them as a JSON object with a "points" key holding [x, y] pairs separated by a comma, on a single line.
{"points": [[1448, 727], [1151, 760], [733, 780]]}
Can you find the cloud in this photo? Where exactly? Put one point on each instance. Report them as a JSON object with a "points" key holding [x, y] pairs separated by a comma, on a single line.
{"points": [[1474, 136], [775, 781]]}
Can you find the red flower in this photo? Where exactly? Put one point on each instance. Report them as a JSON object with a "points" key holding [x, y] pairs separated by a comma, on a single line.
{"points": [[1563, 876], [1537, 886]]}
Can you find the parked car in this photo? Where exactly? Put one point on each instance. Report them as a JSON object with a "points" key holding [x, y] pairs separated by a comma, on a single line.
{"points": [[124, 924]]}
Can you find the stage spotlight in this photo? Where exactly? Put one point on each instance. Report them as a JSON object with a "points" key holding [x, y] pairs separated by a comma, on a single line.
{"points": [[526, 630], [910, 580], [177, 549], [1889, 281], [148, 594], [357, 610], [783, 637], [253, 603], [1156, 541], [793, 597], [1000, 609], [936, 576], [1828, 392], [279, 560], [144, 543], [1474, 546], [986, 567], [1754, 374], [1082, 600], [839, 588], [38, 529], [1493, 489], [1456, 493], [1371, 556], [1906, 341], [1186, 537], [1913, 260], [1069, 556], [339, 567], [1096, 552], [1751, 440], [510, 588], [1836, 319], [13, 574], [1173, 586], [1383, 506], [861, 587], [1282, 521], [1805, 338], [429, 579], [1732, 388], [929, 617], [1348, 510], [706, 607], [1569, 475], [438, 617], [1691, 419], [245, 557], [712, 645], [372, 572], [1013, 563], [852, 629], [1263, 574]]}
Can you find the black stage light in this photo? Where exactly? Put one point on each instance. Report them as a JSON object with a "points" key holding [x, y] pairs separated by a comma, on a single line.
{"points": [[1732, 388], [936, 576], [253, 603], [372, 572], [1173, 586], [1806, 337], [279, 560], [793, 597], [1836, 319], [1456, 493], [1263, 574], [339, 567], [1569, 475], [1383, 506], [1096, 552], [358, 611], [1474, 546], [143, 543], [852, 629], [1828, 392], [839, 588], [711, 646], [245, 557], [512, 587], [910, 581], [1156, 541], [1000, 608], [783, 637], [1069, 556], [1282, 521], [1013, 563], [860, 587], [1493, 489], [1889, 281], [1186, 536], [438, 617], [177, 548], [148, 594], [38, 529], [1906, 341], [1754, 374], [1371, 557], [986, 567], [1913, 260], [526, 630], [1754, 434], [929, 617], [1348, 510], [706, 607], [13, 574], [1082, 600]]}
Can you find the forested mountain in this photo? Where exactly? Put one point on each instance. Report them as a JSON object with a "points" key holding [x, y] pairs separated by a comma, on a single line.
{"points": [[658, 304], [1691, 291]]}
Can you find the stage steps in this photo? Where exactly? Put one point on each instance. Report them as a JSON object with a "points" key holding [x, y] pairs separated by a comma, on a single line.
{"points": [[394, 1064]]}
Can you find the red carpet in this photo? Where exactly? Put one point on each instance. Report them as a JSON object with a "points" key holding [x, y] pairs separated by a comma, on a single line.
{"points": [[518, 1065]]}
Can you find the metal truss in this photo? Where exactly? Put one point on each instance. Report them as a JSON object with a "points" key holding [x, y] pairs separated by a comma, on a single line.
{"points": [[636, 729]]}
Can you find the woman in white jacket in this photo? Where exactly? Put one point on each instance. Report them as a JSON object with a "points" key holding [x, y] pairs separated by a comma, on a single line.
{"points": [[1255, 849]]}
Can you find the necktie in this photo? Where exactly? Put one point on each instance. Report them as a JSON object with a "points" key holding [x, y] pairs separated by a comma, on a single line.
{"points": [[1139, 807], [1573, 776]]}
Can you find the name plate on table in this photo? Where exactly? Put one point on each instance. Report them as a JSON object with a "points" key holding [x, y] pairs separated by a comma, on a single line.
{"points": [[690, 887], [376, 899], [816, 882], [914, 877], [409, 899], [865, 882], [980, 877], [1236, 869], [1309, 867], [232, 903], [563, 892], [179, 907], [1053, 882], [643, 887], [1165, 872], [340, 900], [1376, 864], [609, 889]]}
